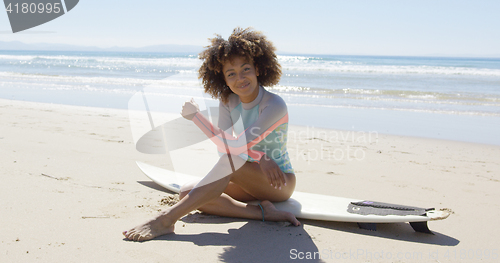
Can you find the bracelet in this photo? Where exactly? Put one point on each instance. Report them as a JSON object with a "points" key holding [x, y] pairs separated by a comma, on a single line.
{"points": [[262, 212]]}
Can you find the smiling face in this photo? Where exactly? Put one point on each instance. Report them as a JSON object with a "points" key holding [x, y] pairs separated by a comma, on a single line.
{"points": [[240, 75]]}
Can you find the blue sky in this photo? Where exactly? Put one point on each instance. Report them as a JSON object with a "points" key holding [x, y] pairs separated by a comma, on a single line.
{"points": [[415, 28]]}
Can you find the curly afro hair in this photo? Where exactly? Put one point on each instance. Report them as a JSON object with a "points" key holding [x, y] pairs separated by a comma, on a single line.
{"points": [[243, 42]]}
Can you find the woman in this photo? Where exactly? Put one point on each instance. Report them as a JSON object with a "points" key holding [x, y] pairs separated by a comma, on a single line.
{"points": [[254, 165]]}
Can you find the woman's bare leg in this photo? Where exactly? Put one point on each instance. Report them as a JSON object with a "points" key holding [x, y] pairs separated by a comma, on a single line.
{"points": [[210, 187], [231, 203], [249, 177], [225, 205]]}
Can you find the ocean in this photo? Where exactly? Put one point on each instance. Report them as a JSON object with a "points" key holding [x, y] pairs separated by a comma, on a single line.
{"points": [[433, 97]]}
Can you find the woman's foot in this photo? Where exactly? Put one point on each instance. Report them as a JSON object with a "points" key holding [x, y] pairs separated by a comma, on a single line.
{"points": [[273, 214], [154, 228]]}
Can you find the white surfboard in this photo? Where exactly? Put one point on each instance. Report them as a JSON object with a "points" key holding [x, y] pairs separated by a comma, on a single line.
{"points": [[322, 207]]}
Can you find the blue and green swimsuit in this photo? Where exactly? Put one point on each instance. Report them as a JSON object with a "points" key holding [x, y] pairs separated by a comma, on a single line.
{"points": [[261, 127]]}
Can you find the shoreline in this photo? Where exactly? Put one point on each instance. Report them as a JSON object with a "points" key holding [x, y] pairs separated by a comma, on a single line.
{"points": [[72, 170], [344, 124]]}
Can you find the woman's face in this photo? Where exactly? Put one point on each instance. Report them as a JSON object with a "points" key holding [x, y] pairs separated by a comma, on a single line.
{"points": [[241, 77]]}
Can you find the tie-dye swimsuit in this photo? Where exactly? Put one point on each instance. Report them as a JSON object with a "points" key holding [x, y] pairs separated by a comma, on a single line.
{"points": [[261, 126]]}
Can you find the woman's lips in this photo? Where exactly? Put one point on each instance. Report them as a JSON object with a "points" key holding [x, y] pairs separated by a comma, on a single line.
{"points": [[244, 86]]}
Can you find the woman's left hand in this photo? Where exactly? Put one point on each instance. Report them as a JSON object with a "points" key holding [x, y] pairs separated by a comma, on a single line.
{"points": [[273, 172], [189, 109]]}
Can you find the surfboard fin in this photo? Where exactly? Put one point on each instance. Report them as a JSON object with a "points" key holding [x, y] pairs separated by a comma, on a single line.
{"points": [[368, 226], [421, 227], [417, 226]]}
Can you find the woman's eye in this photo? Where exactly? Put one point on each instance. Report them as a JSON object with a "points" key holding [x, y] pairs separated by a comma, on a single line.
{"points": [[230, 75], [247, 69]]}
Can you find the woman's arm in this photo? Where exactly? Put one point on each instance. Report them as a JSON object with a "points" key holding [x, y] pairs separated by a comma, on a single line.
{"points": [[248, 138], [271, 117]]}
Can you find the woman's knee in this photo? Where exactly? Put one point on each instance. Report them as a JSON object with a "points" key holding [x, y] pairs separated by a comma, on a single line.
{"points": [[230, 161], [186, 188]]}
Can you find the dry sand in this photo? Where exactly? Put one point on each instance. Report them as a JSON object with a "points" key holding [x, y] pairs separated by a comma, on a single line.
{"points": [[70, 186]]}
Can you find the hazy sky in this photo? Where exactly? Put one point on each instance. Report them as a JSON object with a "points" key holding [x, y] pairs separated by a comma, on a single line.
{"points": [[370, 27]]}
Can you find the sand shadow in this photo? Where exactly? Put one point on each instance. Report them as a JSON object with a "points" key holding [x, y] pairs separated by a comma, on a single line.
{"points": [[155, 186], [396, 231], [254, 242]]}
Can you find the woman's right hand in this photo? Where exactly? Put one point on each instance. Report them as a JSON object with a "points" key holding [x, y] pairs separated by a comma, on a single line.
{"points": [[189, 109], [273, 172]]}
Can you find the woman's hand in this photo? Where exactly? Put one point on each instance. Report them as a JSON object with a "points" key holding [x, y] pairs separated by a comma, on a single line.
{"points": [[272, 171], [189, 109]]}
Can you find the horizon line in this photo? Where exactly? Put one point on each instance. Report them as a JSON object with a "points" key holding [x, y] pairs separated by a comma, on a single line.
{"points": [[137, 49]]}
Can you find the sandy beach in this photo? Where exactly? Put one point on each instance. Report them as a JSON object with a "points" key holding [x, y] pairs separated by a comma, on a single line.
{"points": [[70, 186]]}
